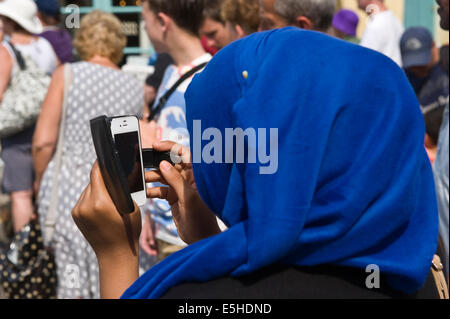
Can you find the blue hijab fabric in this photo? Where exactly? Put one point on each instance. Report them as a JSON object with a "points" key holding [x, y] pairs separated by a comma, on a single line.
{"points": [[354, 186]]}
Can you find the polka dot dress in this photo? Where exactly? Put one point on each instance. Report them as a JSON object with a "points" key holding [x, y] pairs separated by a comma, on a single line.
{"points": [[94, 91]]}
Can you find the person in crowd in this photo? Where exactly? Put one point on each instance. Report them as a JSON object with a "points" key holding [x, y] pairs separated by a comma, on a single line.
{"points": [[153, 81], [306, 14], [420, 58], [241, 17], [173, 28], [213, 26], [345, 23], [208, 48], [96, 87], [383, 31], [20, 24], [441, 165], [304, 229], [433, 121], [49, 13]]}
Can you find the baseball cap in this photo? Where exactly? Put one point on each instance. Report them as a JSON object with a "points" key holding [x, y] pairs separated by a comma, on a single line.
{"points": [[49, 7], [415, 45]]}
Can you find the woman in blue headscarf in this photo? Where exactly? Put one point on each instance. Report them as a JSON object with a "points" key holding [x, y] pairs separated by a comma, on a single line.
{"points": [[350, 189]]}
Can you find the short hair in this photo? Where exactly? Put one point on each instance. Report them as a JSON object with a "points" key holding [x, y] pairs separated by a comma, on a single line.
{"points": [[320, 12], [100, 33], [213, 10], [48, 19], [244, 13], [187, 14], [433, 121]]}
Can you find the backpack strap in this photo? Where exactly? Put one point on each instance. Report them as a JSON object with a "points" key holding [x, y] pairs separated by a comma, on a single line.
{"points": [[163, 100]]}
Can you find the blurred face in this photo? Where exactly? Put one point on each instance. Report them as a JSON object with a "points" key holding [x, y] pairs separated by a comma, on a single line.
{"points": [[269, 18], [338, 34], [424, 70], [153, 27], [444, 13], [6, 26], [217, 35], [362, 4]]}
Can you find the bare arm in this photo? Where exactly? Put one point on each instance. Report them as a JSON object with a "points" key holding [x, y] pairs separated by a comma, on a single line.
{"points": [[114, 238], [117, 274], [5, 70], [47, 128]]}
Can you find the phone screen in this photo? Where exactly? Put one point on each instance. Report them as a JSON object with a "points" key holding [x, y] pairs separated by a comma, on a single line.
{"points": [[128, 147]]}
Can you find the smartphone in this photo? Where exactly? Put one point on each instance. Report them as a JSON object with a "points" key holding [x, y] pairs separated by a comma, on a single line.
{"points": [[127, 139]]}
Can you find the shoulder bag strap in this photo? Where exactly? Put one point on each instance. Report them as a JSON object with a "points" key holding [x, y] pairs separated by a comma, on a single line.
{"points": [[163, 100], [19, 58], [52, 213]]}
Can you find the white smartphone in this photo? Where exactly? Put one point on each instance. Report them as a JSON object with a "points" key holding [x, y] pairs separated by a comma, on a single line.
{"points": [[127, 138]]}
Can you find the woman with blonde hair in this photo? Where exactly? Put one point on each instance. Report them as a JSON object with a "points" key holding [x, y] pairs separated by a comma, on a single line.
{"points": [[96, 87]]}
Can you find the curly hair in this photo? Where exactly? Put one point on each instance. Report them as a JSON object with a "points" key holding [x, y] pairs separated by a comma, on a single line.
{"points": [[100, 34], [244, 13]]}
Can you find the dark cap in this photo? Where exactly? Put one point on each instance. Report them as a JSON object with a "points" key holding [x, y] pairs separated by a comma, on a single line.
{"points": [[49, 7], [416, 44]]}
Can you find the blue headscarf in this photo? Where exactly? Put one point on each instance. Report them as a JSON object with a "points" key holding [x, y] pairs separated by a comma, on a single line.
{"points": [[354, 186]]}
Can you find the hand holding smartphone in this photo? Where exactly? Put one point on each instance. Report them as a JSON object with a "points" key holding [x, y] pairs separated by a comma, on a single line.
{"points": [[122, 160], [127, 139]]}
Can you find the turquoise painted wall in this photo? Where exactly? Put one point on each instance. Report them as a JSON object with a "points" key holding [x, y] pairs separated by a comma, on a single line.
{"points": [[107, 6], [420, 13]]}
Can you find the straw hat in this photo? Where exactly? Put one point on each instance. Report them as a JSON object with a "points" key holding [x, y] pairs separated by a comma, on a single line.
{"points": [[23, 12]]}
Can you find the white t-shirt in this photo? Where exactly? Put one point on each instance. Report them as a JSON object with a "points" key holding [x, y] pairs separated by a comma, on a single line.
{"points": [[383, 34]]}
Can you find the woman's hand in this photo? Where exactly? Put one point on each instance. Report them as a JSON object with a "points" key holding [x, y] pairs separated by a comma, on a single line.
{"points": [[194, 220], [107, 231], [113, 237]]}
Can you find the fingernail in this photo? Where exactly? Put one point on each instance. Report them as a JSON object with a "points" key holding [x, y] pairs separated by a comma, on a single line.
{"points": [[165, 166]]}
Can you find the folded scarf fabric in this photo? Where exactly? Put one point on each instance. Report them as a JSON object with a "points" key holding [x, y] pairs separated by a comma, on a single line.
{"points": [[353, 184]]}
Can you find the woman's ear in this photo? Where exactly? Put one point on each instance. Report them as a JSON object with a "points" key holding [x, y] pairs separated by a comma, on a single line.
{"points": [[239, 31], [304, 23]]}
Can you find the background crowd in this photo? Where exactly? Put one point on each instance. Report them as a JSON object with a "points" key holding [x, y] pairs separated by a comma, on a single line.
{"points": [[86, 81]]}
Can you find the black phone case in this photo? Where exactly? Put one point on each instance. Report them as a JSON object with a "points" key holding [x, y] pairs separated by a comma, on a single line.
{"points": [[109, 162]]}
